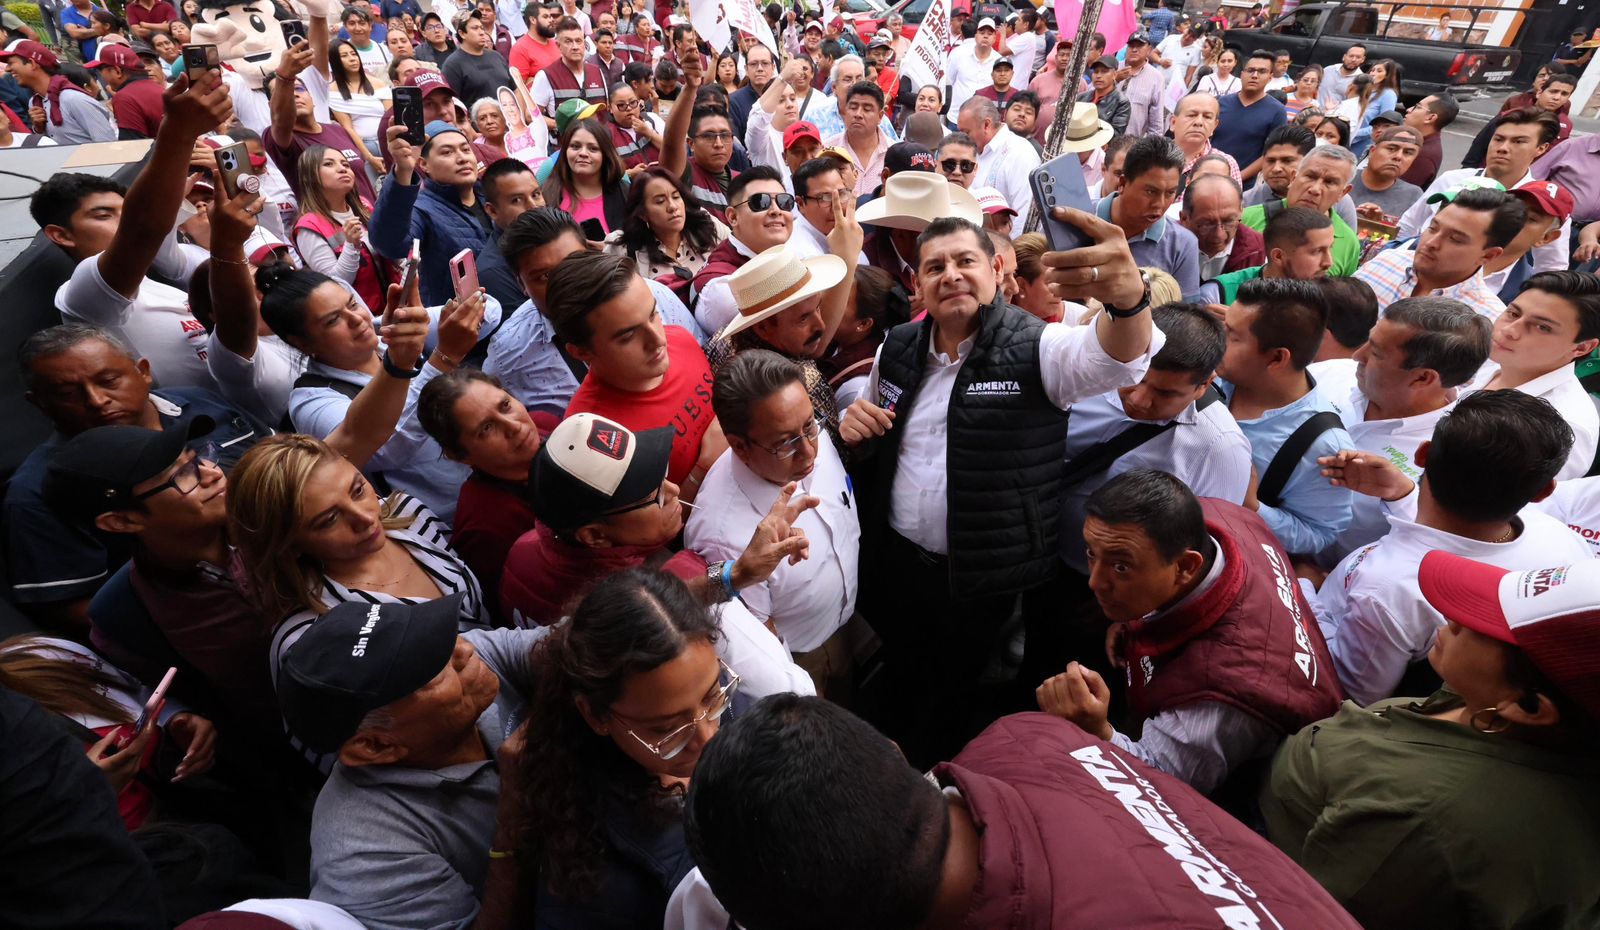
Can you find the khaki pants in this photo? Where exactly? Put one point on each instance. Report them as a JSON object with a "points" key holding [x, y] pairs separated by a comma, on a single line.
{"points": [[832, 665]]}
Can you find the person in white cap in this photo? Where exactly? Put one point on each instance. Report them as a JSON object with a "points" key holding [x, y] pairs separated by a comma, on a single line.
{"points": [[793, 306], [1490, 457], [1476, 806], [967, 68], [998, 213], [966, 414]]}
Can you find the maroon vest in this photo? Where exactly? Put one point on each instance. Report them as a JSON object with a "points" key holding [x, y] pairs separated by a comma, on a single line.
{"points": [[1249, 641], [633, 152], [1062, 817], [723, 260], [564, 84], [631, 48]]}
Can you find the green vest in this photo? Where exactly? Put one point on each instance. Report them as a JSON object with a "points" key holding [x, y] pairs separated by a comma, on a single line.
{"points": [[1346, 247], [1228, 284]]}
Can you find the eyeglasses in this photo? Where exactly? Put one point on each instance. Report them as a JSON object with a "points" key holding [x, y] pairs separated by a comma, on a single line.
{"points": [[668, 747], [715, 138], [958, 166], [790, 448], [187, 477], [625, 105], [826, 197], [761, 203], [655, 499], [1217, 224]]}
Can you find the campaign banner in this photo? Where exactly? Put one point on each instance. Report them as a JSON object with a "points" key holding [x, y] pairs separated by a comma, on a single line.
{"points": [[924, 61], [715, 21], [1118, 20]]}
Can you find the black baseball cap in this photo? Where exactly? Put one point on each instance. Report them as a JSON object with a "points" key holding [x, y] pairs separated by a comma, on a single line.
{"points": [[96, 471], [909, 156], [359, 657], [1394, 117], [591, 466]]}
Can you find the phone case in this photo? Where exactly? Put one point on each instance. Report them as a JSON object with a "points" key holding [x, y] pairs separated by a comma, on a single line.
{"points": [[464, 274], [1059, 183], [233, 162], [408, 113]]}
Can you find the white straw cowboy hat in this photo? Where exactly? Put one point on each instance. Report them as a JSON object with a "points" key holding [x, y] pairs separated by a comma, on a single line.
{"points": [[1086, 130], [776, 280], [913, 199]]}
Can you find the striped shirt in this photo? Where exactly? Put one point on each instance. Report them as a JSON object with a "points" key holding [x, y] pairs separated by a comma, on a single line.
{"points": [[424, 537]]}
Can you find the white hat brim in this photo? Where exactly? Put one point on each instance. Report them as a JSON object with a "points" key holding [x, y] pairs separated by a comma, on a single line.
{"points": [[826, 271], [962, 204], [1101, 137]]}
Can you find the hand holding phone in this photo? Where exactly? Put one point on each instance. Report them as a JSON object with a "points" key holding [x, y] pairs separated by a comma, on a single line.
{"points": [[233, 166], [1059, 183], [294, 31], [408, 282], [464, 274], [199, 59], [408, 113]]}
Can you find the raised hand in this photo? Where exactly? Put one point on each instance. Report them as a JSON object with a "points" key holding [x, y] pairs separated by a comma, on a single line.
{"points": [[776, 538], [459, 323], [1105, 271], [405, 328], [847, 238], [1080, 695], [199, 108], [402, 153], [232, 219]]}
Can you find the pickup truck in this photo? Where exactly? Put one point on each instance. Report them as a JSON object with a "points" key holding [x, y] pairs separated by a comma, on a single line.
{"points": [[1319, 34]]}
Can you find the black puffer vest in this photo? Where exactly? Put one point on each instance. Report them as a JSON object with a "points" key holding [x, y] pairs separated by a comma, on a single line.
{"points": [[1007, 445]]}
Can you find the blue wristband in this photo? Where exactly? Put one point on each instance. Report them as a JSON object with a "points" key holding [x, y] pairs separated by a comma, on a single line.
{"points": [[727, 578]]}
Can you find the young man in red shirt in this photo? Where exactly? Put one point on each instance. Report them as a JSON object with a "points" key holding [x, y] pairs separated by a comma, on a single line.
{"points": [[642, 373]]}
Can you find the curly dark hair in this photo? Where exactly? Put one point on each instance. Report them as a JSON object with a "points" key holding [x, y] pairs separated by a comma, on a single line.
{"points": [[699, 229], [629, 624]]}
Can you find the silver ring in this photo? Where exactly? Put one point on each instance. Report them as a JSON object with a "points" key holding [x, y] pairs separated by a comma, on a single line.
{"points": [[1094, 273]]}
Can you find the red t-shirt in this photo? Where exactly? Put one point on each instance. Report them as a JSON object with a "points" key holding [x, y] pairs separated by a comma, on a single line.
{"points": [[528, 57], [490, 516], [138, 106], [161, 12], [682, 400]]}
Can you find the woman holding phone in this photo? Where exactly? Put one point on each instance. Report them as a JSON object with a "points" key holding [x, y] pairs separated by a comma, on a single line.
{"points": [[331, 233]]}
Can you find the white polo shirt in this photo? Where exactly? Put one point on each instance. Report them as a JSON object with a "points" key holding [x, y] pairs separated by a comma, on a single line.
{"points": [[1206, 451], [715, 307], [1073, 367], [806, 602], [1004, 164], [1565, 392], [1374, 616], [1577, 504], [1394, 439], [807, 241]]}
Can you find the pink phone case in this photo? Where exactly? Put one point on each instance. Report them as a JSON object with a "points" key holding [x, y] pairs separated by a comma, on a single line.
{"points": [[464, 274]]}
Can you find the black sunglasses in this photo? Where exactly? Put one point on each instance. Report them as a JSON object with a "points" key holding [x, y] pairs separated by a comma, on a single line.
{"points": [[958, 166], [761, 203]]}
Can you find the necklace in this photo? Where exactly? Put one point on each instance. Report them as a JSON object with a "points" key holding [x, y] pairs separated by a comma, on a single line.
{"points": [[1510, 533]]}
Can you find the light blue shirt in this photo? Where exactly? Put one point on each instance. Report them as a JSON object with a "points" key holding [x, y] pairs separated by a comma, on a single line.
{"points": [[1313, 512], [523, 353], [1165, 245], [824, 114]]}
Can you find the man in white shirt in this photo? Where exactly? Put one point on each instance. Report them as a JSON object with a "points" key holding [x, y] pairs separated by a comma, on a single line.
{"points": [[775, 440], [1026, 43], [1552, 323], [1005, 159], [1181, 53], [966, 409], [1336, 78], [1576, 503], [816, 184], [1489, 458], [967, 68], [117, 240], [1183, 427], [1398, 386]]}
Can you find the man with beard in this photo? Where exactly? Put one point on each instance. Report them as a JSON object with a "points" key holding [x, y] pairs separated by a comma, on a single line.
{"points": [[537, 49]]}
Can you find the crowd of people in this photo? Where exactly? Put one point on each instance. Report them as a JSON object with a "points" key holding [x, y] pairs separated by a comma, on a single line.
{"points": [[672, 486]]}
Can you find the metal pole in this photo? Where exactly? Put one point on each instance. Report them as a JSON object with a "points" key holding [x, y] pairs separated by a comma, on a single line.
{"points": [[1069, 91]]}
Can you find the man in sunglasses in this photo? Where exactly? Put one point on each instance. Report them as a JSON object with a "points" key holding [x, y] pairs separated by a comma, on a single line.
{"points": [[82, 377], [775, 437], [958, 159], [182, 599], [760, 216]]}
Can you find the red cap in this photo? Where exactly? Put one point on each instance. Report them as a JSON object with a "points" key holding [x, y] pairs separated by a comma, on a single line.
{"points": [[117, 56], [800, 130], [1551, 614], [36, 53], [429, 81], [1549, 197]]}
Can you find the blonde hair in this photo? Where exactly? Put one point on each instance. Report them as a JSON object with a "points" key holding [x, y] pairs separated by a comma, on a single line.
{"points": [[264, 493], [1029, 248], [1164, 287], [61, 683]]}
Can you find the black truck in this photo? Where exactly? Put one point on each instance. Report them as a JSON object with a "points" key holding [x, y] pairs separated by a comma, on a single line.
{"points": [[1320, 33]]}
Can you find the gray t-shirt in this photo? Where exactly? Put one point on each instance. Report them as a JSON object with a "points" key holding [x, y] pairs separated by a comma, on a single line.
{"points": [[1394, 201], [474, 77], [83, 119], [400, 848]]}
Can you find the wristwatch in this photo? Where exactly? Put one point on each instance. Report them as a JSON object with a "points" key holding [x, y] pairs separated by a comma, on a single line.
{"points": [[1118, 313], [716, 582], [406, 374]]}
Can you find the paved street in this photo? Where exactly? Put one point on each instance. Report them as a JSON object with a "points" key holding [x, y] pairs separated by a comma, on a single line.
{"points": [[1475, 113]]}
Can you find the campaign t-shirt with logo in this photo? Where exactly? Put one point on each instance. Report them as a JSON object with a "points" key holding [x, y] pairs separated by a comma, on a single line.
{"points": [[682, 400]]}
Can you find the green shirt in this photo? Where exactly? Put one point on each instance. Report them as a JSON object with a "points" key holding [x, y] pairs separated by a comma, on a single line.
{"points": [[1228, 284], [1418, 823], [1346, 247]]}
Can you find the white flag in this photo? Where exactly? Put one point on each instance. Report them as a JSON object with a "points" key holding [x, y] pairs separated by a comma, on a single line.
{"points": [[924, 61], [715, 21]]}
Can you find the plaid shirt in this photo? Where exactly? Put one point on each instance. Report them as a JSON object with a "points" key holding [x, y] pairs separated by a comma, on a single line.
{"points": [[1391, 276]]}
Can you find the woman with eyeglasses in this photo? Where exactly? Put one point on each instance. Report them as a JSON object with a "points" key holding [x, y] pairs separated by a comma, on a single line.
{"points": [[664, 229], [1305, 92], [630, 690], [635, 132], [588, 179]]}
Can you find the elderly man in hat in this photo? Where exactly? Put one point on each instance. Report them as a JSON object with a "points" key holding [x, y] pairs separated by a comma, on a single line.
{"points": [[792, 305], [965, 413]]}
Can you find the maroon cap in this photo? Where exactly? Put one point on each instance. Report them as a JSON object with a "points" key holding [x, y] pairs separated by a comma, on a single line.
{"points": [[36, 53], [117, 56], [428, 81]]}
